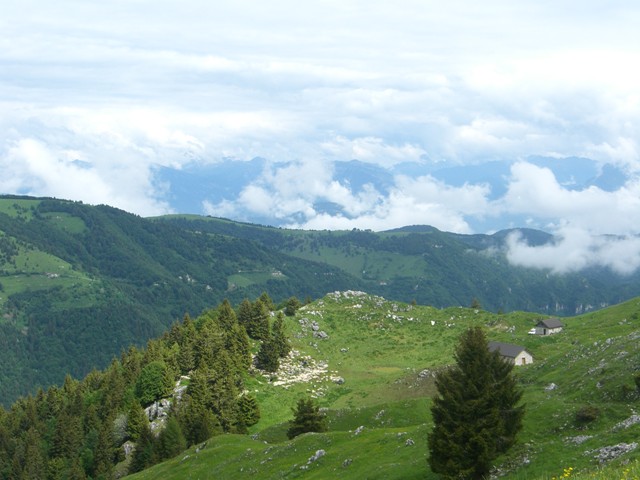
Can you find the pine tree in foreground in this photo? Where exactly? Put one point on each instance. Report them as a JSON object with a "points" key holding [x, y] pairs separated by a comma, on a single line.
{"points": [[475, 412]]}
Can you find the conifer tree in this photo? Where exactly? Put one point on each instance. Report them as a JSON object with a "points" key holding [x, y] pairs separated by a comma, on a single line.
{"points": [[226, 317], [186, 357], [280, 339], [209, 343], [258, 326], [266, 300], [243, 314], [196, 418], [143, 454], [131, 362], [291, 306], [197, 422], [171, 440], [35, 463], [136, 420], [475, 412], [237, 344], [268, 357], [103, 454], [76, 471], [248, 411], [307, 417], [223, 392], [187, 354]]}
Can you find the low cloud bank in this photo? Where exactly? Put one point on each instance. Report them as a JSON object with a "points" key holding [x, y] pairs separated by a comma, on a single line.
{"points": [[576, 249]]}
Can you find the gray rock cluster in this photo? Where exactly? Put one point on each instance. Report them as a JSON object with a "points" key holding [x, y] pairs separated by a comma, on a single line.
{"points": [[157, 414], [632, 420], [606, 454], [577, 440], [316, 456]]}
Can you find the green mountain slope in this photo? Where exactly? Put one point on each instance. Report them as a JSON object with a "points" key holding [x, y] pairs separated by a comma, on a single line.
{"points": [[373, 372], [80, 283], [437, 268]]}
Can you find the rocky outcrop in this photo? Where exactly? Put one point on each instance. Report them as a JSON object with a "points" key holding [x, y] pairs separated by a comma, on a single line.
{"points": [[606, 454]]}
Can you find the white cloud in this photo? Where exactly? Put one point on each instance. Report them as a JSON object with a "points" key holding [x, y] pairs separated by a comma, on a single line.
{"points": [[535, 191], [372, 150], [581, 220], [575, 250], [30, 167]]}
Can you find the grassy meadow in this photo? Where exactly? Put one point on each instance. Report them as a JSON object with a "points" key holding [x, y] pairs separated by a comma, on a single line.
{"points": [[379, 417]]}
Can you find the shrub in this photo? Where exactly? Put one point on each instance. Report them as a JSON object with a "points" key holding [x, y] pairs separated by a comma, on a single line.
{"points": [[587, 414]]}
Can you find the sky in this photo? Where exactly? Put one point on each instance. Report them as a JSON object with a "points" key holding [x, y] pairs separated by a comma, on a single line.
{"points": [[94, 96]]}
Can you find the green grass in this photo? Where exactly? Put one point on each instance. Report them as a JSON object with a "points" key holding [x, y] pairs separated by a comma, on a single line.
{"points": [[66, 222], [365, 263], [22, 208], [245, 279], [32, 270]]}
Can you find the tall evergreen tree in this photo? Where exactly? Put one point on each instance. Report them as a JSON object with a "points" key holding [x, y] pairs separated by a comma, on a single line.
{"points": [[209, 343], [268, 357], [197, 422], [266, 300], [136, 420], [103, 454], [226, 317], [223, 392], [307, 417], [248, 411], [258, 326], [243, 313], [35, 463], [143, 454], [171, 440], [280, 339], [475, 412], [239, 348]]}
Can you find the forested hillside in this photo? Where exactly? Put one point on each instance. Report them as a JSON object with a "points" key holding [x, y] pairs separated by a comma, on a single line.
{"points": [[437, 268], [81, 283], [189, 382]]}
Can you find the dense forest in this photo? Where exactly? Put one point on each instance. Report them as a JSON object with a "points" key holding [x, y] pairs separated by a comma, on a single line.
{"points": [[150, 403]]}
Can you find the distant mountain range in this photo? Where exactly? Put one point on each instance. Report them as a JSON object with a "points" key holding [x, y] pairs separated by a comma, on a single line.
{"points": [[188, 188]]}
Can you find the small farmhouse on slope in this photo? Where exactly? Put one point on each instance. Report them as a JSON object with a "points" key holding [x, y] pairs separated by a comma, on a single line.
{"points": [[549, 326], [512, 353]]}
